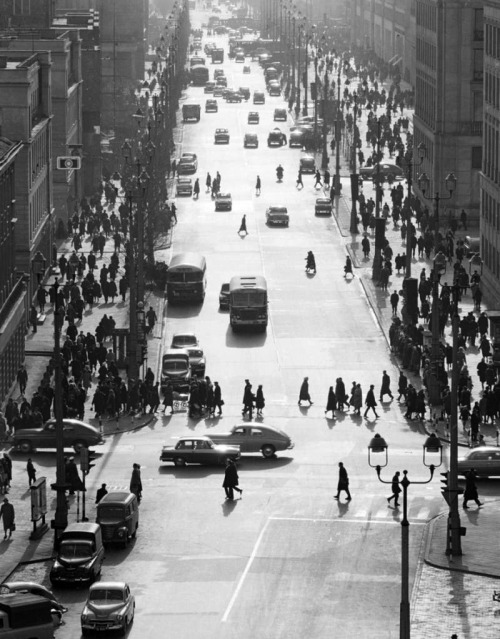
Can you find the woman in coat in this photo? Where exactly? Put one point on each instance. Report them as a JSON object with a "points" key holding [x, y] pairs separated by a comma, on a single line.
{"points": [[135, 482], [331, 402], [231, 480], [8, 516], [340, 394], [304, 392], [356, 400], [259, 400]]}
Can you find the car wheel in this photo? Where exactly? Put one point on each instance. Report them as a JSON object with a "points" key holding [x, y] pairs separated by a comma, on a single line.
{"points": [[25, 446], [179, 461], [268, 450], [79, 444], [85, 632]]}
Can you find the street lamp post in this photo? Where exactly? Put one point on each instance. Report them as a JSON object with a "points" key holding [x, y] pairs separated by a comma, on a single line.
{"points": [[308, 39], [377, 258], [377, 451], [409, 164], [354, 175], [299, 43], [439, 265], [337, 137]]}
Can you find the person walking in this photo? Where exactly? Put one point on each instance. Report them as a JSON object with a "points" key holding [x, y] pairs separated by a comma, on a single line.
{"points": [[471, 488], [151, 317], [331, 402], [260, 401], [343, 483], [385, 388], [218, 401], [299, 180], [22, 379], [356, 400], [231, 480], [101, 492], [395, 490], [196, 189], [168, 398], [8, 515], [304, 393], [208, 182], [243, 226], [31, 470], [318, 179], [33, 318], [135, 482], [370, 401], [248, 400], [257, 186], [402, 385], [394, 302]]}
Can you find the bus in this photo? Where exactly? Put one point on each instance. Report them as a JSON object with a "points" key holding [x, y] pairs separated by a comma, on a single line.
{"points": [[217, 56], [199, 75], [248, 302], [186, 278]]}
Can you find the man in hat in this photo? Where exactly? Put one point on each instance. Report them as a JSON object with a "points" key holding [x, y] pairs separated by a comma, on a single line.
{"points": [[100, 493], [8, 516]]}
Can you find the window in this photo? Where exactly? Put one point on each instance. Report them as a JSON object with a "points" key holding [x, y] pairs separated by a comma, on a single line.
{"points": [[478, 64], [22, 7], [477, 157]]}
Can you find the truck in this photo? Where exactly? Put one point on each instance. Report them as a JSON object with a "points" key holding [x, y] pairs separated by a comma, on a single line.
{"points": [[25, 616], [191, 112], [217, 56]]}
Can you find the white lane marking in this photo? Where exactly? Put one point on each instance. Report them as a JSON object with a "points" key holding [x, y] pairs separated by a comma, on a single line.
{"points": [[348, 521], [244, 573]]}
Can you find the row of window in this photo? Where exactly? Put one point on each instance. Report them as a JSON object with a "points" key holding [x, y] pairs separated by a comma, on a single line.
{"points": [[490, 256], [492, 41], [490, 210], [10, 359], [492, 89], [425, 99], [38, 155], [426, 53], [426, 16], [491, 139], [7, 197], [38, 207]]}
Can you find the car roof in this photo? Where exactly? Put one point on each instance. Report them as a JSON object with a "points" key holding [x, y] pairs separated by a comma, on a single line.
{"points": [[221, 130], [482, 449], [205, 438], [23, 585], [184, 335], [223, 195], [109, 585], [277, 207], [184, 179], [323, 200]]}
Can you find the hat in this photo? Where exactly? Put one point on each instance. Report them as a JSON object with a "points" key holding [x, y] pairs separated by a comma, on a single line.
{"points": [[5, 500]]}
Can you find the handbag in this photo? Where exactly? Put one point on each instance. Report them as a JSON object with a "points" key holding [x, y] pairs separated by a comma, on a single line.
{"points": [[13, 527], [222, 402]]}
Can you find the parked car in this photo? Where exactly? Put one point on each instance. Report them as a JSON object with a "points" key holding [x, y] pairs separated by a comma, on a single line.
{"points": [[197, 361], [240, 57], [221, 82], [224, 297], [276, 138], [221, 136], [307, 163], [323, 206], [251, 140], [253, 117], [484, 459], [76, 435], [184, 340], [277, 215], [184, 187], [259, 97], [198, 450], [274, 88], [297, 138], [223, 202], [387, 171], [254, 437], [211, 106], [218, 73], [233, 96], [110, 606], [280, 114], [32, 588], [188, 163]]}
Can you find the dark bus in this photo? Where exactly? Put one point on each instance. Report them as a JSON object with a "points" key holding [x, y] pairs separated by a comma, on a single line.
{"points": [[199, 75], [248, 302], [217, 56], [186, 278]]}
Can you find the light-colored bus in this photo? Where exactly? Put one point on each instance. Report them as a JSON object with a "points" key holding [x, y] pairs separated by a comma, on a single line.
{"points": [[186, 278], [248, 302]]}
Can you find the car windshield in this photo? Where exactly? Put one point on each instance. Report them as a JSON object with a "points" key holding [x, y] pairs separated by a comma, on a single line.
{"points": [[174, 365], [106, 594], [75, 550], [110, 512], [183, 339], [248, 298], [224, 196], [195, 353]]}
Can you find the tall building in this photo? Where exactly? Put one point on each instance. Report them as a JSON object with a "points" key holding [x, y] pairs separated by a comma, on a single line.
{"points": [[449, 97], [12, 287], [490, 175], [26, 118]]}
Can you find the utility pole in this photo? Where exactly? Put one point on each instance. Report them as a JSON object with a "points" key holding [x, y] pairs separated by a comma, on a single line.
{"points": [[354, 175]]}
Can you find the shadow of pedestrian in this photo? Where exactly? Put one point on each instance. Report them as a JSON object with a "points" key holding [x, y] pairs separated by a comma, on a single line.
{"points": [[331, 422], [304, 409], [228, 506], [343, 507]]}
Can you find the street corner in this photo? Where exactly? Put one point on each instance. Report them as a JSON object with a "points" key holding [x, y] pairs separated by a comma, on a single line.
{"points": [[124, 423]]}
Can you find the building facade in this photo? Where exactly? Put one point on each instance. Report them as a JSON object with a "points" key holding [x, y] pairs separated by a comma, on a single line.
{"points": [[12, 287], [490, 176], [26, 118], [449, 97]]}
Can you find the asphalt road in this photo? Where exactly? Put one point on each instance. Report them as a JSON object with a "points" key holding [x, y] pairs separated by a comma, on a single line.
{"points": [[286, 560]]}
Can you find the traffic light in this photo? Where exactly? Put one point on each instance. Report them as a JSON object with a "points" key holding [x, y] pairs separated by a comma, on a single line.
{"points": [[445, 487], [86, 457]]}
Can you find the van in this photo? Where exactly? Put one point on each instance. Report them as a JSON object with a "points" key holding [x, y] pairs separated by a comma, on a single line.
{"points": [[118, 517], [80, 555], [280, 114], [25, 616], [176, 369]]}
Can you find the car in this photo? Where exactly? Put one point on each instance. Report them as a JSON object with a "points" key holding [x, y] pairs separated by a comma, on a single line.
{"points": [[307, 163], [276, 138], [233, 96], [221, 82], [251, 140], [274, 88], [197, 361], [32, 588], [309, 119], [323, 206], [277, 215], [110, 606], [218, 73], [296, 139], [218, 91], [209, 87], [253, 117], [280, 114], [484, 459], [184, 340], [387, 171], [76, 435], [188, 163], [196, 60], [224, 297], [199, 450], [184, 187], [259, 97], [244, 92], [263, 58], [221, 136], [254, 437], [246, 69], [239, 57], [223, 202], [211, 106], [175, 369]]}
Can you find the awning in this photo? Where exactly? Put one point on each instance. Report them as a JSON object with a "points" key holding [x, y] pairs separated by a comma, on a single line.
{"points": [[395, 60]]}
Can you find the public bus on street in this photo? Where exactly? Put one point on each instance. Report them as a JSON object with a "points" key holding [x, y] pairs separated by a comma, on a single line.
{"points": [[248, 302], [199, 75], [186, 278]]}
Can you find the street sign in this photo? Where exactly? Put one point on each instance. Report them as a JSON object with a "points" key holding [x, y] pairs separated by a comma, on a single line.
{"points": [[69, 162]]}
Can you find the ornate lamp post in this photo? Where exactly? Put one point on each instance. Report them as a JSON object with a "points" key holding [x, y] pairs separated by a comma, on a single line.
{"points": [[378, 459], [409, 164], [338, 185], [439, 264], [308, 39], [299, 43]]}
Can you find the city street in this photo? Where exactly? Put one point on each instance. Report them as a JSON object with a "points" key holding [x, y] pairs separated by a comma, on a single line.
{"points": [[286, 559]]}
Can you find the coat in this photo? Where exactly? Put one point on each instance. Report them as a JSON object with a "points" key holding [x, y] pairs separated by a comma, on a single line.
{"points": [[370, 399], [135, 482], [230, 477], [331, 403], [343, 479], [356, 400], [304, 392], [259, 399], [8, 515]]}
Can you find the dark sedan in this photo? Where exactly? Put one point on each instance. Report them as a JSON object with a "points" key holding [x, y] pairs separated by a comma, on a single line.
{"points": [[198, 450], [254, 437], [76, 435]]}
